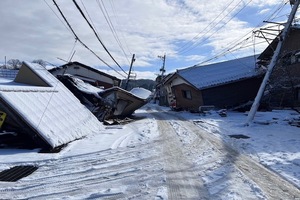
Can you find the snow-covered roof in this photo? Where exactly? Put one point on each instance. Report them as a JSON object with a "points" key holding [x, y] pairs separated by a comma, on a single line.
{"points": [[211, 75], [85, 87], [52, 111], [141, 92]]}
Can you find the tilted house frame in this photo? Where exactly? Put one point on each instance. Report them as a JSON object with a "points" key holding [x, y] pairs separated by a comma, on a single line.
{"points": [[44, 109], [223, 85], [283, 89], [87, 74]]}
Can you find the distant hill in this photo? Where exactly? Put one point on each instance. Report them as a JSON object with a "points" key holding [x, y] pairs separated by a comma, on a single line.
{"points": [[143, 83]]}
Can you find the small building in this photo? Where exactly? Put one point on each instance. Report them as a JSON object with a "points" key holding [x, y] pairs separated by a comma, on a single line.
{"points": [[39, 106], [283, 89], [87, 74], [223, 85]]}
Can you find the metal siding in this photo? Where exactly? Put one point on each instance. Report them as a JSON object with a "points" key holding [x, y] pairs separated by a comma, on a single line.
{"points": [[230, 95]]}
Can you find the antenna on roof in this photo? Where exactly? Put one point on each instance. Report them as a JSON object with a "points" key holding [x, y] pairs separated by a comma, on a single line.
{"points": [[61, 59], [73, 51], [273, 62], [72, 56]]}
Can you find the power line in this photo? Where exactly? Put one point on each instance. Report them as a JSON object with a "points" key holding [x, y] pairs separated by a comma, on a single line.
{"points": [[111, 26], [57, 15], [193, 46], [114, 11], [83, 15], [273, 15], [237, 42], [277, 11], [185, 46], [77, 38], [90, 18]]}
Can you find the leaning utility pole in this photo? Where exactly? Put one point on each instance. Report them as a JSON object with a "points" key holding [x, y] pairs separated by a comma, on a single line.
{"points": [[132, 60], [273, 62]]}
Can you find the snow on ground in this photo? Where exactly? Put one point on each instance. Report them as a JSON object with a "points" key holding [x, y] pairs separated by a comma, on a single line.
{"points": [[123, 161], [272, 140], [112, 137]]}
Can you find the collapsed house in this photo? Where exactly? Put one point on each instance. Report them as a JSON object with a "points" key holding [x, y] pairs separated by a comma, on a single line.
{"points": [[283, 89], [100, 92], [124, 102], [109, 103], [222, 85], [39, 106]]}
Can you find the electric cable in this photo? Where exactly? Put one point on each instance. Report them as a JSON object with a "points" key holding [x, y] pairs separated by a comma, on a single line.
{"points": [[197, 43], [111, 27], [83, 15], [56, 15], [83, 44], [205, 39], [231, 48], [183, 48], [114, 11]]}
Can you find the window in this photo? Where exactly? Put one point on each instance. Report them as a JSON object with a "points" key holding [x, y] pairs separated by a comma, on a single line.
{"points": [[187, 94]]}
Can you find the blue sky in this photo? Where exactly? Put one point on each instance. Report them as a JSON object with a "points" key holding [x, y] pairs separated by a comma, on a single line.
{"points": [[189, 32]]}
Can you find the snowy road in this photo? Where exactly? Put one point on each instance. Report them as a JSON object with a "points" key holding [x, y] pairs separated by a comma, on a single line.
{"points": [[231, 171], [161, 155]]}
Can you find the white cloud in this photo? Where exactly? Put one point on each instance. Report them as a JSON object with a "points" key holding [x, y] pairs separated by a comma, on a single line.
{"points": [[263, 11], [195, 58], [139, 74], [146, 28]]}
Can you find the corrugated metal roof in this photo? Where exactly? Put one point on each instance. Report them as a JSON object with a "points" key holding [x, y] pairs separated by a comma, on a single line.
{"points": [[8, 73], [211, 75]]}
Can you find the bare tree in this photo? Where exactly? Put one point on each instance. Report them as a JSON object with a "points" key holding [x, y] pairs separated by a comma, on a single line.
{"points": [[14, 63]]}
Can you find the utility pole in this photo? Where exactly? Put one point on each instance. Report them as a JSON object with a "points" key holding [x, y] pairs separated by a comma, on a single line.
{"points": [[273, 63], [132, 60], [162, 69]]}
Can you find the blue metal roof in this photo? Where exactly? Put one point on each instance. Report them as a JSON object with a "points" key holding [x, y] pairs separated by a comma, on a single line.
{"points": [[206, 76]]}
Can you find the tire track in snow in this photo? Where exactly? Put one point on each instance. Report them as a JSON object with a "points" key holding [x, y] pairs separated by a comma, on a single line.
{"points": [[130, 169], [273, 185], [262, 181], [182, 181]]}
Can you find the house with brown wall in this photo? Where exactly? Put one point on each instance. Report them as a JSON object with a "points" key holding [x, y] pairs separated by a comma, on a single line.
{"points": [[223, 85]]}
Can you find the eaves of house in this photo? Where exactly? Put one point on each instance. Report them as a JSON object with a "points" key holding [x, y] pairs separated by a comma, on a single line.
{"points": [[86, 67], [175, 79]]}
